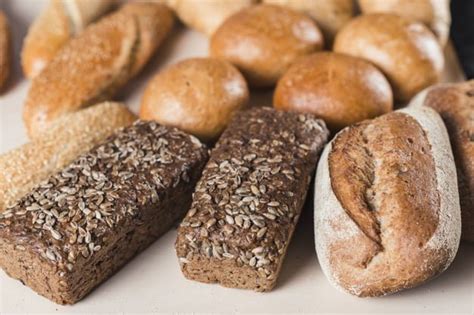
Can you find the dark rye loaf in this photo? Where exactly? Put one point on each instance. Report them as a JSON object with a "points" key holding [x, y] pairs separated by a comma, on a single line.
{"points": [[81, 225], [248, 201]]}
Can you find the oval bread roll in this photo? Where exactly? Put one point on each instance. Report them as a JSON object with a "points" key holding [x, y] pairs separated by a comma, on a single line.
{"points": [[407, 52], [338, 88], [264, 40], [389, 186], [68, 137], [96, 63], [433, 13], [60, 21], [5, 51], [198, 95], [330, 15]]}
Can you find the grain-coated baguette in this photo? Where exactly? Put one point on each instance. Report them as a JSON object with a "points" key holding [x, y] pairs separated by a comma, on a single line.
{"points": [[455, 103], [60, 21], [386, 203], [75, 133], [95, 64], [5, 51]]}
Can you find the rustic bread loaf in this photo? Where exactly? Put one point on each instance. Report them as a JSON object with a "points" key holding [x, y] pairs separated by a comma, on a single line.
{"points": [[197, 95], [95, 64], [249, 198], [60, 21], [455, 104], [68, 137], [5, 51], [81, 225], [386, 203]]}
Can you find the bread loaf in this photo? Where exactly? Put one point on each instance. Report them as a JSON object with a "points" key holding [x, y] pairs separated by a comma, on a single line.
{"points": [[60, 21], [455, 104], [5, 51], [95, 64], [25, 167], [386, 203]]}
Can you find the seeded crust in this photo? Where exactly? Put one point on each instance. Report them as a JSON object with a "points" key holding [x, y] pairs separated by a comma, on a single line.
{"points": [[94, 65], [455, 104], [249, 199], [71, 135], [5, 51], [81, 225], [387, 185]]}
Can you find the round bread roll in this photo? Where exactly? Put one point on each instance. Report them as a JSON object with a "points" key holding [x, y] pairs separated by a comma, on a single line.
{"points": [[264, 40], [407, 52], [339, 88], [330, 15], [206, 16], [433, 13], [197, 95]]}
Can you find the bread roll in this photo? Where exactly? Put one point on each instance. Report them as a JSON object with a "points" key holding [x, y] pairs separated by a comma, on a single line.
{"points": [[25, 167], [60, 21], [264, 40], [386, 203], [455, 104], [5, 51], [198, 95], [330, 15], [433, 13], [206, 16], [407, 52], [96, 63], [338, 88]]}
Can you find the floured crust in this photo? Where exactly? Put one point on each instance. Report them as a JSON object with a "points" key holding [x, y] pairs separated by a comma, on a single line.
{"points": [[73, 134], [404, 236], [92, 66], [5, 50]]}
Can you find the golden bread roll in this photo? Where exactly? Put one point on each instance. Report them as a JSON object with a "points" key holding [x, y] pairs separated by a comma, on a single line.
{"points": [[264, 40], [330, 15], [96, 63], [433, 13], [69, 136], [60, 21], [407, 52], [5, 51], [338, 88], [198, 95]]}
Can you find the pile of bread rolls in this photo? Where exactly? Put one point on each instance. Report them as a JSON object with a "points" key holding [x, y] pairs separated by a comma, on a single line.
{"points": [[391, 187]]}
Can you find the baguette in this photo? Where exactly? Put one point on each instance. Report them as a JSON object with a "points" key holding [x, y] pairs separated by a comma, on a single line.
{"points": [[75, 133], [60, 21], [455, 104], [95, 64], [5, 51], [387, 212]]}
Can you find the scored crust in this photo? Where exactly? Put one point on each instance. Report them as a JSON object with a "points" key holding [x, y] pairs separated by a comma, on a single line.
{"points": [[404, 237]]}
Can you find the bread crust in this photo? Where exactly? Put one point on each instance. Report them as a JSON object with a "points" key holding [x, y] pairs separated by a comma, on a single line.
{"points": [[5, 51], [95, 64], [393, 251], [455, 103]]}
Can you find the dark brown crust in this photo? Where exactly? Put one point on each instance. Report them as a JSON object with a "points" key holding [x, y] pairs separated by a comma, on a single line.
{"points": [[383, 174], [455, 104], [81, 225], [249, 199], [5, 51]]}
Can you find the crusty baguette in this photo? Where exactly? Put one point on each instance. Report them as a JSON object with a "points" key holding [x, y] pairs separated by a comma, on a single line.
{"points": [[94, 65], [5, 51], [60, 21], [75, 133], [455, 103], [386, 203]]}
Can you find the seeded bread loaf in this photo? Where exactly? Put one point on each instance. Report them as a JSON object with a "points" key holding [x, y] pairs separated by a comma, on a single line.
{"points": [[386, 204], [94, 65], [5, 51], [77, 228], [60, 21], [249, 198], [68, 137], [455, 104]]}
